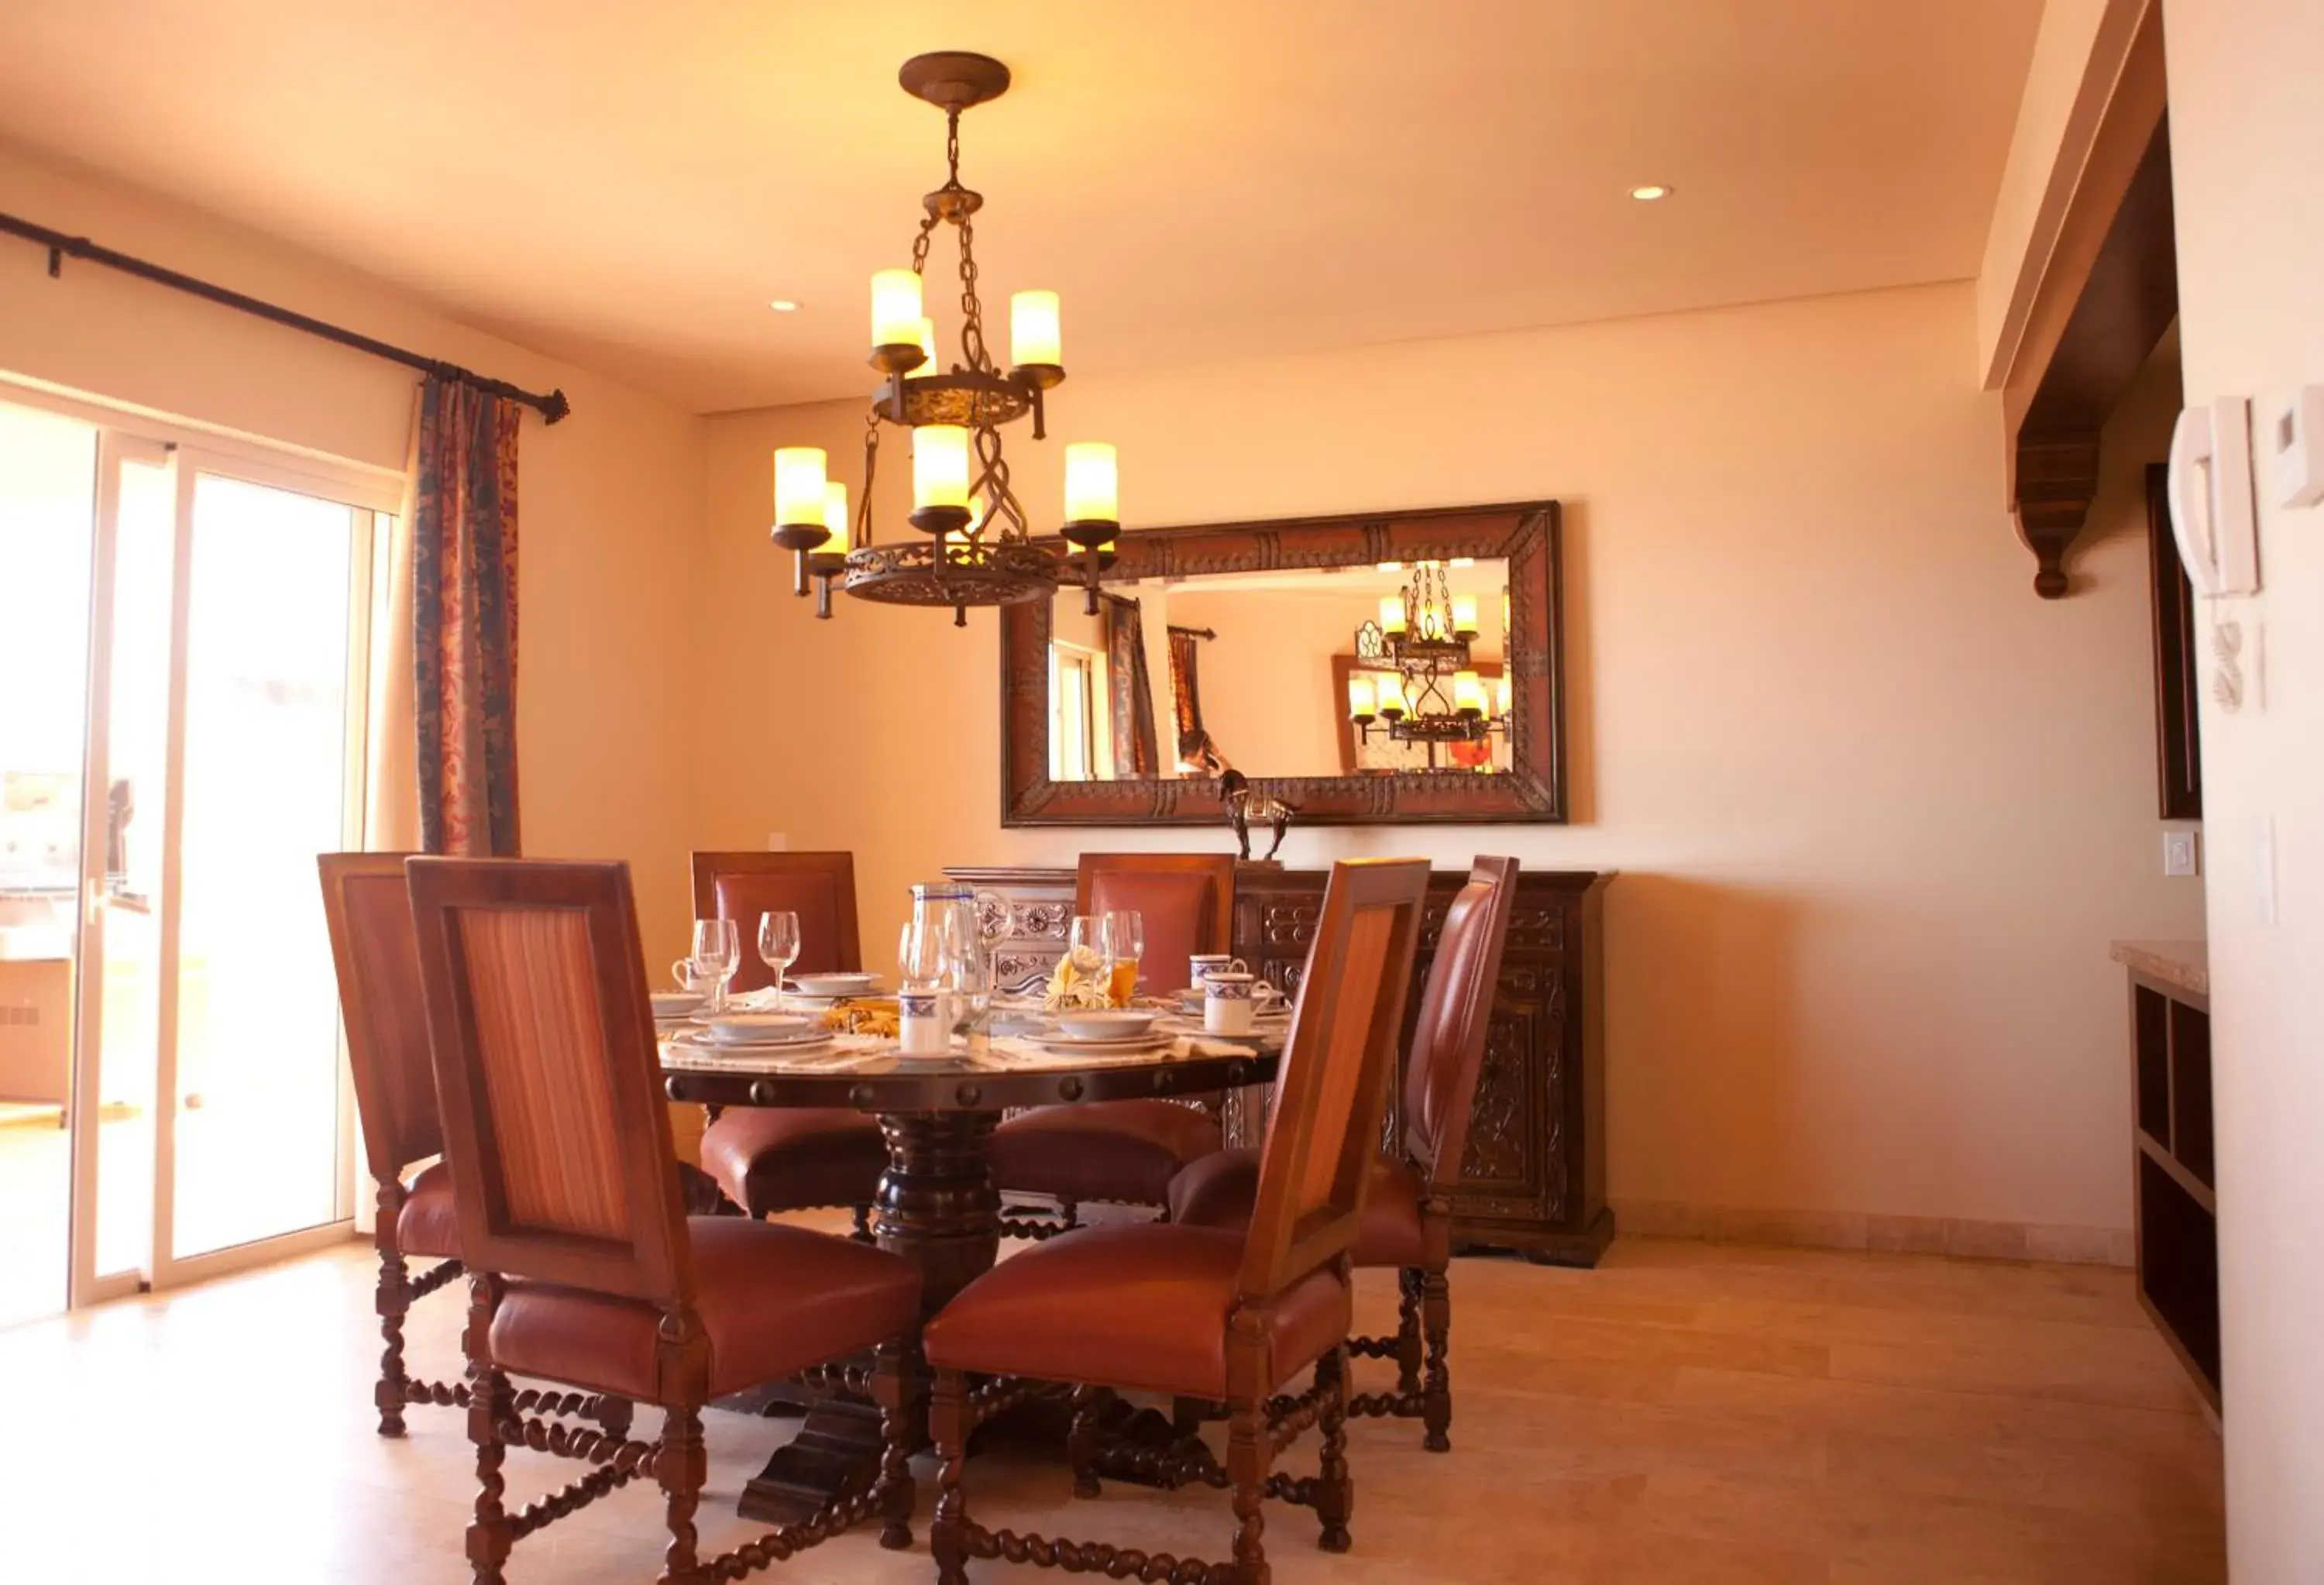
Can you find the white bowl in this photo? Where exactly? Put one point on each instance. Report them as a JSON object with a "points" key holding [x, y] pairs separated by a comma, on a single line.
{"points": [[743, 1027], [834, 984], [677, 1004], [1104, 1023]]}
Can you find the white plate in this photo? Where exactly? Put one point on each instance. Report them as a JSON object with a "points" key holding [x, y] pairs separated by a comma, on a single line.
{"points": [[834, 984], [1104, 1023], [1067, 1044], [758, 1028], [701, 1042], [677, 1004]]}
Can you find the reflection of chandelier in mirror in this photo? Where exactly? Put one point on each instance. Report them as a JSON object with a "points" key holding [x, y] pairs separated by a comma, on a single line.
{"points": [[978, 550], [1423, 686]]}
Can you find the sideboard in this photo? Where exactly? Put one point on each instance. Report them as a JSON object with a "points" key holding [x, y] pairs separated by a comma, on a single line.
{"points": [[1534, 1180]]}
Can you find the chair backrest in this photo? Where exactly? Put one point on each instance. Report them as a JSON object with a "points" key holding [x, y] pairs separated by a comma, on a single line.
{"points": [[819, 888], [1456, 1005], [1188, 901], [369, 915], [554, 1122], [1330, 1095]]}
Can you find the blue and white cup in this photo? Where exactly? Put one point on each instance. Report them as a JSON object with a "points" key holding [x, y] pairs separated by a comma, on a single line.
{"points": [[1201, 965], [1227, 1001], [923, 1023]]}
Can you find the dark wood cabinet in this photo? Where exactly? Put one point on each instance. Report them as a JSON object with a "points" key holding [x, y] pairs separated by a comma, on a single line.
{"points": [[1533, 1179], [2175, 1209]]}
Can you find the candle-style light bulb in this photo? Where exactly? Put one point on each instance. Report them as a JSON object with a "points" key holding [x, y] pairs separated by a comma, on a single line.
{"points": [[1034, 337], [1092, 483], [1391, 700], [940, 465], [1362, 699], [799, 485], [1501, 695], [1391, 615], [1464, 616], [834, 518], [895, 307], [1468, 693]]}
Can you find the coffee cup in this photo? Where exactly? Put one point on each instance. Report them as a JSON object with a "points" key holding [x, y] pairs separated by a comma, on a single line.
{"points": [[1227, 1001], [923, 1023]]}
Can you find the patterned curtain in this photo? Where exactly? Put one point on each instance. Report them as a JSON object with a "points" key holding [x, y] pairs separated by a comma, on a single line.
{"points": [[1136, 755], [464, 621], [1186, 689]]}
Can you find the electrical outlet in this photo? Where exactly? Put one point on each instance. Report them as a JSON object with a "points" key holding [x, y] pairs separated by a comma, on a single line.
{"points": [[2179, 854]]}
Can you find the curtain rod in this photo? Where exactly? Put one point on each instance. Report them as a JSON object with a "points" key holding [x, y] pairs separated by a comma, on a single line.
{"points": [[1198, 632], [552, 407]]}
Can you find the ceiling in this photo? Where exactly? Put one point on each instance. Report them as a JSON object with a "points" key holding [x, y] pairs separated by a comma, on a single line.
{"points": [[627, 186]]}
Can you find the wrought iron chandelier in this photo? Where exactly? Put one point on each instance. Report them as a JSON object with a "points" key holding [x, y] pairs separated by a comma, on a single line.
{"points": [[977, 550], [1424, 687]]}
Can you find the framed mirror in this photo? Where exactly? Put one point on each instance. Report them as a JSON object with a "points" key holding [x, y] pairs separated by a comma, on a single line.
{"points": [[1376, 669]]}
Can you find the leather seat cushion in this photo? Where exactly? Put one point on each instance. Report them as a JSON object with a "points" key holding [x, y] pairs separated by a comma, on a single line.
{"points": [[1125, 1151], [427, 1224], [1143, 1307], [772, 1299], [1219, 1190], [771, 1158]]}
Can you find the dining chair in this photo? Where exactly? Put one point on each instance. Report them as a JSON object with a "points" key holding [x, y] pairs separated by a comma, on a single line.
{"points": [[1407, 1223], [1234, 1315], [769, 1159], [368, 915], [1125, 1152], [583, 1268]]}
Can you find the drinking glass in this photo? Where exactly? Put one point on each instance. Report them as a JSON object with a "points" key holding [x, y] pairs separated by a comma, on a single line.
{"points": [[921, 961], [1124, 933], [779, 945], [717, 953]]}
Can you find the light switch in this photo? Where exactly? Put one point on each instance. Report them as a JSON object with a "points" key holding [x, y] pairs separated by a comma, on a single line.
{"points": [[2291, 447], [2180, 856]]}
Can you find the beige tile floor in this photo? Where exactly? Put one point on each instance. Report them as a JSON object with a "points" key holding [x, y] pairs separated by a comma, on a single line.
{"points": [[1686, 1414]]}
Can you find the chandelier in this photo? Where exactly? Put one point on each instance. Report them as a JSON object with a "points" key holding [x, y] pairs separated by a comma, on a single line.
{"points": [[975, 548], [1423, 686]]}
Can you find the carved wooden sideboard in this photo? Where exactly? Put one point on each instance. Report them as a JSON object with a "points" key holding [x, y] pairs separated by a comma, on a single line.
{"points": [[1535, 1176]]}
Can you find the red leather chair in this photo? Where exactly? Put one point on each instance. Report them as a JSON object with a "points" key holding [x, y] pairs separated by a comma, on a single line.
{"points": [[584, 1268], [1125, 1151], [771, 1159], [1209, 1312], [368, 915], [1407, 1222]]}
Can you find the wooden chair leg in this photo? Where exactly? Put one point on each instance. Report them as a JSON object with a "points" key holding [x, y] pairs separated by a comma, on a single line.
{"points": [[1409, 1282], [489, 1403], [682, 1469], [948, 1422], [392, 1301], [895, 1387], [1436, 1399], [1249, 1451], [1082, 1439], [1069, 1211], [614, 1416], [1336, 1493]]}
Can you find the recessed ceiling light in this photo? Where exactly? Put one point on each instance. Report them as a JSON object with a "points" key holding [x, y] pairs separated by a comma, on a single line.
{"points": [[783, 305], [1650, 192]]}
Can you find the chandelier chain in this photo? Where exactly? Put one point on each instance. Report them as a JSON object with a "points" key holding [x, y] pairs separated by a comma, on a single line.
{"points": [[972, 322]]}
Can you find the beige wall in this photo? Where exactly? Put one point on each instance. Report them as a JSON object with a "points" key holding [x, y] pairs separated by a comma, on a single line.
{"points": [[1877, 807], [2248, 166], [611, 498]]}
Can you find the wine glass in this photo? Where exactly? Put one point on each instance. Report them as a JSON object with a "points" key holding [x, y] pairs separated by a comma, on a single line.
{"points": [[717, 953], [920, 957], [779, 945], [1124, 932]]}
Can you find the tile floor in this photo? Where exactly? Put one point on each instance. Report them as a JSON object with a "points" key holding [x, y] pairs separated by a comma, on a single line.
{"points": [[1688, 1413]]}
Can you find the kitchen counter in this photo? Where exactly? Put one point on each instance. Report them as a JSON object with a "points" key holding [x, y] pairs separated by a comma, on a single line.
{"points": [[2184, 965]]}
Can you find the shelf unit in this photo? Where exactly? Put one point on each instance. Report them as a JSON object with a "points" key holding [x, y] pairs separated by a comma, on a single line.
{"points": [[2176, 1219]]}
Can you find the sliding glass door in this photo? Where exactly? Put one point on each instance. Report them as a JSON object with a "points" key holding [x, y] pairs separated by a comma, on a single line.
{"points": [[184, 633]]}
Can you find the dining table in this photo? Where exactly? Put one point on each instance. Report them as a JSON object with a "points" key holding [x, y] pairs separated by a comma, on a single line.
{"points": [[937, 1205]]}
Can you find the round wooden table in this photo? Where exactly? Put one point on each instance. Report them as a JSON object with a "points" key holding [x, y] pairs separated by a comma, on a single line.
{"points": [[937, 1205]]}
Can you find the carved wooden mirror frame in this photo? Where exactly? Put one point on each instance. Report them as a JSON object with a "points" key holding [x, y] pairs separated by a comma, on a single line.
{"points": [[1525, 534]]}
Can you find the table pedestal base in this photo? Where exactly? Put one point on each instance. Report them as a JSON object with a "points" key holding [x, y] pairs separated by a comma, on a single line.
{"points": [[936, 1208]]}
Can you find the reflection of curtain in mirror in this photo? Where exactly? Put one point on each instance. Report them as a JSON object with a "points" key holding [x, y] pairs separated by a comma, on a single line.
{"points": [[1135, 753], [1186, 690]]}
